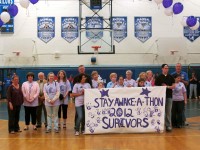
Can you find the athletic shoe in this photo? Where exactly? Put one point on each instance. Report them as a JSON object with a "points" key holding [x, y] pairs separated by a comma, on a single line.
{"points": [[64, 126], [168, 129], [56, 131], [48, 131], [77, 133]]}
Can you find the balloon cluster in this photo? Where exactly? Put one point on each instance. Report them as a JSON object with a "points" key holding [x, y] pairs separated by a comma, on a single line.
{"points": [[171, 8], [191, 21], [177, 8], [12, 11], [25, 3]]}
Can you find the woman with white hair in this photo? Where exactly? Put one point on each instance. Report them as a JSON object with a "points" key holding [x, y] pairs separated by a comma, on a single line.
{"points": [[128, 81]]}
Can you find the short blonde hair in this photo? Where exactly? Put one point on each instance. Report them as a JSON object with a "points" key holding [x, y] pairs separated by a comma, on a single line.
{"points": [[94, 72], [113, 74], [142, 73]]}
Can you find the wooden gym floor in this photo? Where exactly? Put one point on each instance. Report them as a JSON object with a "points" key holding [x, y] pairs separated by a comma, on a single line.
{"points": [[187, 138]]}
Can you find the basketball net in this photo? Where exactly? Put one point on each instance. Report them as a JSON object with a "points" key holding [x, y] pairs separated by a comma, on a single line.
{"points": [[96, 49]]}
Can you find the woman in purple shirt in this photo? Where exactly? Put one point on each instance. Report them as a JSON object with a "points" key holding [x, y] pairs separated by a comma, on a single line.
{"points": [[65, 88], [179, 97], [78, 93], [31, 92], [15, 100], [52, 103]]}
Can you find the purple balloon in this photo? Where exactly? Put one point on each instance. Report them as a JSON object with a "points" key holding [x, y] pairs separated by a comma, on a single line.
{"points": [[177, 8], [34, 1], [13, 10], [1, 23], [191, 21], [167, 3]]}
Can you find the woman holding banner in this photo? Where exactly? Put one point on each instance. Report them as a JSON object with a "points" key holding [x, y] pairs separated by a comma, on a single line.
{"points": [[78, 93]]}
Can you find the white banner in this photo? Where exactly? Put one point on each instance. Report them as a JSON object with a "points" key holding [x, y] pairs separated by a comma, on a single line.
{"points": [[125, 110]]}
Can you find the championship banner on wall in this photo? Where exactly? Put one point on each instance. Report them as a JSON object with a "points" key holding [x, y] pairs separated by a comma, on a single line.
{"points": [[143, 28], [190, 34], [69, 28], [94, 23], [46, 28], [125, 110], [119, 26], [9, 26]]}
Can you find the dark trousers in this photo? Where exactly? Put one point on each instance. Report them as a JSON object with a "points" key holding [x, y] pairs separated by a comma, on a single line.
{"points": [[62, 108], [13, 118], [39, 114], [30, 112], [177, 113], [80, 118]]}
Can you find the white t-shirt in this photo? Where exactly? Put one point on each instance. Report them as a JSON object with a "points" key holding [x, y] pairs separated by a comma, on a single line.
{"points": [[78, 87], [130, 82]]}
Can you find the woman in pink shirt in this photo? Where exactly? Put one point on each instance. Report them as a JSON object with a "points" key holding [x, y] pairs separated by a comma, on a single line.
{"points": [[30, 90]]}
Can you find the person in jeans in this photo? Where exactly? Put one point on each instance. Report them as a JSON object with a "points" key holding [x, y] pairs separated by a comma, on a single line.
{"points": [[78, 93], [179, 97], [193, 86], [31, 92], [41, 100], [51, 93], [165, 79], [65, 87], [15, 100]]}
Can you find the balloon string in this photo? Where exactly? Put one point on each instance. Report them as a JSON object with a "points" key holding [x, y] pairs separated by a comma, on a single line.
{"points": [[158, 6], [172, 19]]}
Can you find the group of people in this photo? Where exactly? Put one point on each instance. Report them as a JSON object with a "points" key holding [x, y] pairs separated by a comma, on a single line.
{"points": [[52, 97]]}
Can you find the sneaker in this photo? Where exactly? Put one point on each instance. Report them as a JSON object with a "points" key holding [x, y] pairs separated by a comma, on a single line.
{"points": [[64, 125], [59, 125], [168, 129], [48, 131], [12, 132], [56, 131], [77, 133], [186, 124], [18, 130], [83, 132]]}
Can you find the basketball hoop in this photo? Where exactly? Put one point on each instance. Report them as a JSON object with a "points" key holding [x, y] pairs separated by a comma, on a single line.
{"points": [[96, 49], [173, 52], [16, 53]]}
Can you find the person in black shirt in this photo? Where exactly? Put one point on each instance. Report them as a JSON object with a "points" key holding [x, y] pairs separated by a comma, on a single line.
{"points": [[165, 79]]}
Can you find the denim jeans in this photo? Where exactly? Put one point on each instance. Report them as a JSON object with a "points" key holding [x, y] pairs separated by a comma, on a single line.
{"points": [[193, 88], [80, 118], [168, 111], [52, 112]]}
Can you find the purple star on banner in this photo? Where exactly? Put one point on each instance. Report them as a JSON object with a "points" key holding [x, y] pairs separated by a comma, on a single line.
{"points": [[145, 92], [104, 93]]}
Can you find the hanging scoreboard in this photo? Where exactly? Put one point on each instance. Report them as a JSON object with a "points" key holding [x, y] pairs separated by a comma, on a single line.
{"points": [[9, 26], [95, 4]]}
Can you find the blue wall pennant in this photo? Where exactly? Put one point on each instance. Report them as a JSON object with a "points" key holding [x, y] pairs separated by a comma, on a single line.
{"points": [[69, 28], [143, 28], [119, 26], [46, 28]]}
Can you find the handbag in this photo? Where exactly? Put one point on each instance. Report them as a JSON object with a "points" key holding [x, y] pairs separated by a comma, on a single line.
{"points": [[61, 97]]}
